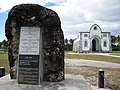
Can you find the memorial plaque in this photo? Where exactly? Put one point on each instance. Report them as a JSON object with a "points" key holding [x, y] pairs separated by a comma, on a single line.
{"points": [[29, 56], [29, 40], [28, 69]]}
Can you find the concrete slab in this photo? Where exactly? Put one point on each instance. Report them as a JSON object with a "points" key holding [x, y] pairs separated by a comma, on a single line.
{"points": [[71, 82]]}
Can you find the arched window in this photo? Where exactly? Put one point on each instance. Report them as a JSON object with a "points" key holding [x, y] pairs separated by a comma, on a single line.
{"points": [[85, 44], [105, 44], [95, 28]]}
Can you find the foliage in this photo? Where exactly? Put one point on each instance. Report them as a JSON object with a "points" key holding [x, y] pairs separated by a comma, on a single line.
{"points": [[115, 40], [4, 45], [0, 44], [68, 44]]}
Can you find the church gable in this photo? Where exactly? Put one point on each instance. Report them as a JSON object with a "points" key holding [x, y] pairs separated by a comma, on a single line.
{"points": [[95, 30]]}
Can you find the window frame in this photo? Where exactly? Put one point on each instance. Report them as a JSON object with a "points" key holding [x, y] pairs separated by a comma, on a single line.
{"points": [[86, 44], [105, 44]]}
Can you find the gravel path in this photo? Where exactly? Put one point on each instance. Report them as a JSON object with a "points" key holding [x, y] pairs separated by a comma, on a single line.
{"points": [[81, 62]]}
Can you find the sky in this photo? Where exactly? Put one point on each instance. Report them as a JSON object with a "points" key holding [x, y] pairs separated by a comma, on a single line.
{"points": [[75, 15]]}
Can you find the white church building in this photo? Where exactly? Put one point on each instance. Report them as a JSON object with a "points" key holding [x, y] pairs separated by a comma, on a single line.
{"points": [[93, 41]]}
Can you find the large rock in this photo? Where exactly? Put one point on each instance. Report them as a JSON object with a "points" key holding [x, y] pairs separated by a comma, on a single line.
{"points": [[53, 39]]}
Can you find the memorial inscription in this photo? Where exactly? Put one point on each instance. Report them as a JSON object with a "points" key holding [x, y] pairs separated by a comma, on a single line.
{"points": [[29, 40], [28, 69], [29, 56]]}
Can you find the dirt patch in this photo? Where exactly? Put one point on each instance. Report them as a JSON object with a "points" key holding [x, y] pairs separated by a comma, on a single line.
{"points": [[112, 75]]}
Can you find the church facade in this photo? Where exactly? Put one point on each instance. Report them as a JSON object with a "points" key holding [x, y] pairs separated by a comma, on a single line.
{"points": [[93, 41]]}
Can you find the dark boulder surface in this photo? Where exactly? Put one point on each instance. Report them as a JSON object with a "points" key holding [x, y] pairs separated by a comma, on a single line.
{"points": [[52, 38]]}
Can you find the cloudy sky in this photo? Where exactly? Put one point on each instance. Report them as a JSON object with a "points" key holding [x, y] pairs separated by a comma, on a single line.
{"points": [[76, 15]]}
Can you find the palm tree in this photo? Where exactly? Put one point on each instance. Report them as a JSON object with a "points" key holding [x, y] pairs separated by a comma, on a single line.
{"points": [[71, 41], [66, 41]]}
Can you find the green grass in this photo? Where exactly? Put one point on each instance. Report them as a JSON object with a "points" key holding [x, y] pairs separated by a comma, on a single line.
{"points": [[92, 57], [117, 53], [2, 52], [4, 61]]}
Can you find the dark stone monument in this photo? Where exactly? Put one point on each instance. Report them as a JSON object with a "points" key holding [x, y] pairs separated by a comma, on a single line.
{"points": [[36, 44]]}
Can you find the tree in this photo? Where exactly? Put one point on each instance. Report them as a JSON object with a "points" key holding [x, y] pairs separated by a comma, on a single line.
{"points": [[66, 41], [69, 44], [0, 44], [4, 45], [118, 40], [71, 41], [113, 39]]}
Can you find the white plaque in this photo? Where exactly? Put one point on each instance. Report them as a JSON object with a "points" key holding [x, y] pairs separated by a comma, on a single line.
{"points": [[29, 40]]}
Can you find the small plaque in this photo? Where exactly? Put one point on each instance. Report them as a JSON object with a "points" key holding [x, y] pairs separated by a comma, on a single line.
{"points": [[29, 40], [28, 69]]}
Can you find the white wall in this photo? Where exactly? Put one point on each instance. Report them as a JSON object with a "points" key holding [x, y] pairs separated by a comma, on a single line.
{"points": [[76, 43], [83, 41], [108, 42], [95, 32]]}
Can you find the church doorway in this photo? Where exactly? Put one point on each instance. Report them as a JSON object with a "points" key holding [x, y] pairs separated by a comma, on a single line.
{"points": [[95, 45]]}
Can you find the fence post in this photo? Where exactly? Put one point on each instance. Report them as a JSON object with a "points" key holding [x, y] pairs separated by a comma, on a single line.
{"points": [[101, 78], [2, 71]]}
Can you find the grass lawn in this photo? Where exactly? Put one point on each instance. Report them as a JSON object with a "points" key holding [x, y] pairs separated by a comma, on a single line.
{"points": [[92, 57], [4, 61], [117, 53]]}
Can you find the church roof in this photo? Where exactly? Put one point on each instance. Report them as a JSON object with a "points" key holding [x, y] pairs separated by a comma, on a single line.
{"points": [[92, 27]]}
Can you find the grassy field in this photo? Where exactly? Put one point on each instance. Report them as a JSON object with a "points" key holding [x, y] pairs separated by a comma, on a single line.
{"points": [[3, 61], [117, 53], [92, 57]]}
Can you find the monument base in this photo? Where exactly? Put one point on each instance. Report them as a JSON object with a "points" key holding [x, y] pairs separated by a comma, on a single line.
{"points": [[71, 82]]}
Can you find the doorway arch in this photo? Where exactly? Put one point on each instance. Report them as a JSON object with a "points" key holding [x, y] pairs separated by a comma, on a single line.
{"points": [[95, 45]]}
